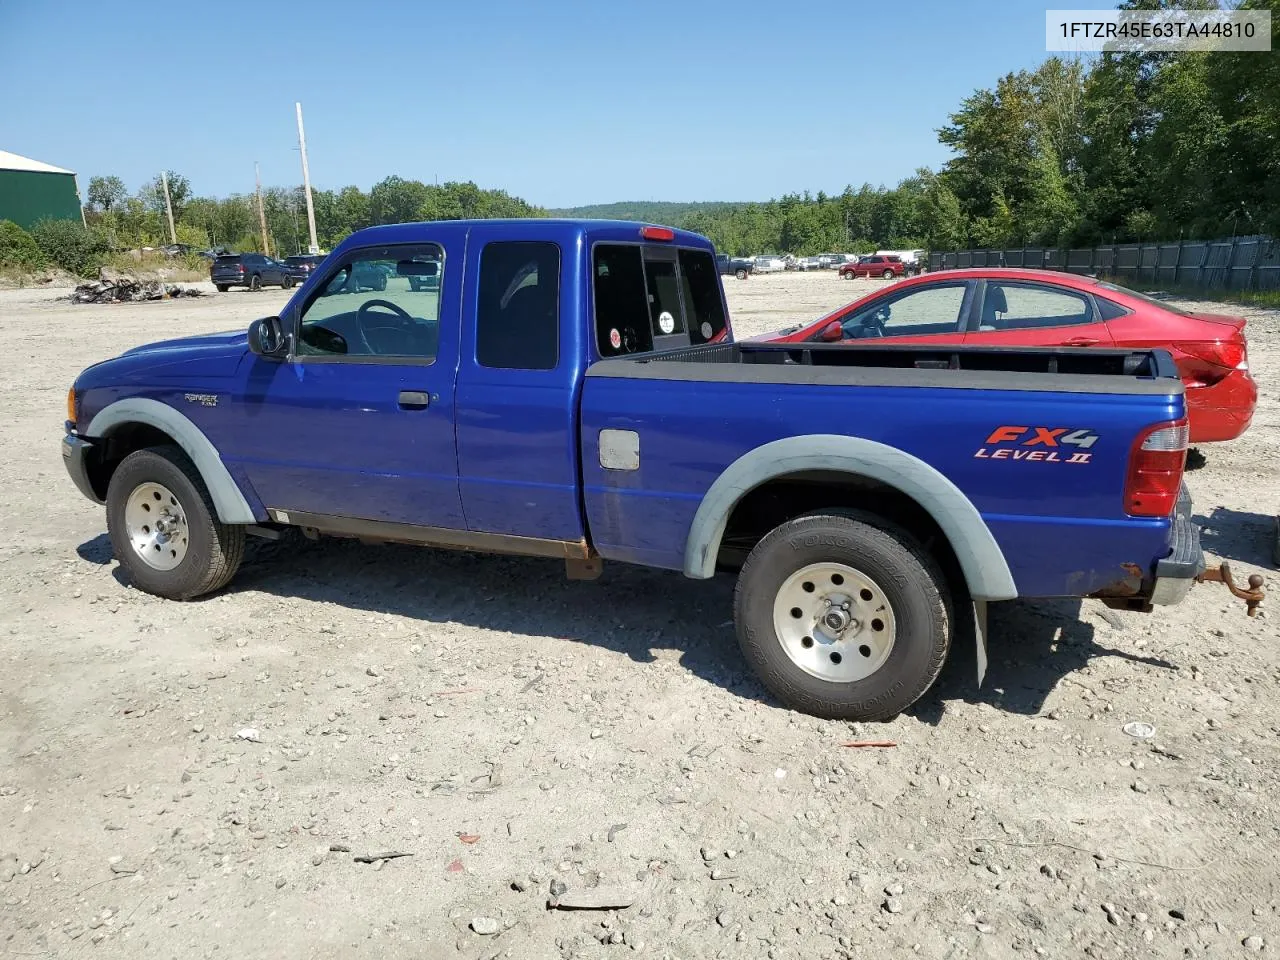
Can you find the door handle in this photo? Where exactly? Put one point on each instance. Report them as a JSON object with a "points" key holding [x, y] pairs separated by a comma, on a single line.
{"points": [[414, 400], [1081, 342]]}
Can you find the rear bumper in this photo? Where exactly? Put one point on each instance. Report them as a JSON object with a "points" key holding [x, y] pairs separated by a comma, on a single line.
{"points": [[1224, 410], [75, 457], [1176, 573]]}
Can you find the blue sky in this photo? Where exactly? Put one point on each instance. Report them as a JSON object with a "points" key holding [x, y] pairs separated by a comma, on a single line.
{"points": [[561, 103]]}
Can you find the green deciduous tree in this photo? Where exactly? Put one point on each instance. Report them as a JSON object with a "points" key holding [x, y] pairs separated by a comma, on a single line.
{"points": [[18, 249]]}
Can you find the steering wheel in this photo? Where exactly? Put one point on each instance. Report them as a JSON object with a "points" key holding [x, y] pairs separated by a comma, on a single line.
{"points": [[873, 326], [366, 325]]}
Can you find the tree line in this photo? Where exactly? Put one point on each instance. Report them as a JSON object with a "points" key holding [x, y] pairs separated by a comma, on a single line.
{"points": [[1124, 147], [140, 219]]}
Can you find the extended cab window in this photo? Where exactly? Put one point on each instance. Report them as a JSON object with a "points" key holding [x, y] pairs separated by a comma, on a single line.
{"points": [[376, 303], [518, 315]]}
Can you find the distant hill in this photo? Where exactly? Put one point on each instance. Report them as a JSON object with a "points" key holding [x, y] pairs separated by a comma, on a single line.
{"points": [[650, 211]]}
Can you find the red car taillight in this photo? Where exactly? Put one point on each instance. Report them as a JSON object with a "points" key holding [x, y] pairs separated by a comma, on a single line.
{"points": [[1209, 361], [1156, 463]]}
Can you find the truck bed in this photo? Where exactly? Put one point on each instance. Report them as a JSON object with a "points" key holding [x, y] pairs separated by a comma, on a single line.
{"points": [[1026, 368], [1052, 509]]}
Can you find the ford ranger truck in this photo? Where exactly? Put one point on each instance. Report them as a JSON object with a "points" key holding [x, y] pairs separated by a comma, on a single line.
{"points": [[572, 389]]}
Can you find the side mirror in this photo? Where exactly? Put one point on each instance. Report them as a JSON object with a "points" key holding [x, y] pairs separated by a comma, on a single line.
{"points": [[267, 338], [832, 332]]}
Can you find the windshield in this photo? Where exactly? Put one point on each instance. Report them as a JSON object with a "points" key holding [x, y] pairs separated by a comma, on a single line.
{"points": [[1162, 304]]}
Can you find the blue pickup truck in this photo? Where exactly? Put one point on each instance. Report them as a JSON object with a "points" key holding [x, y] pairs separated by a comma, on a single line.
{"points": [[572, 389]]}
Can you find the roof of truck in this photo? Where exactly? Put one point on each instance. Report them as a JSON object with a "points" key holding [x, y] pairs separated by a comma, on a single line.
{"points": [[541, 226]]}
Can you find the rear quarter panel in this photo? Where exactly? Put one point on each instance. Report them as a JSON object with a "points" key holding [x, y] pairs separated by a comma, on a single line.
{"points": [[1060, 523]]}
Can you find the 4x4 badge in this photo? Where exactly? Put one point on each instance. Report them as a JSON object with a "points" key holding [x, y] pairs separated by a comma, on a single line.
{"points": [[1015, 443]]}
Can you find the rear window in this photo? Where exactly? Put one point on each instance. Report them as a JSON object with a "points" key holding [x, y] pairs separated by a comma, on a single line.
{"points": [[622, 314], [640, 298], [1163, 304], [664, 297], [235, 259], [703, 308]]}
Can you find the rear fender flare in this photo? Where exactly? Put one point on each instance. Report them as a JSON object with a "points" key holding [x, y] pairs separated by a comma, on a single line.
{"points": [[981, 559], [227, 497]]}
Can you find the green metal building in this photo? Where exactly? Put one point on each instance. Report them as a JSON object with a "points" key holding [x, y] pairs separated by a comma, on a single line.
{"points": [[31, 191]]}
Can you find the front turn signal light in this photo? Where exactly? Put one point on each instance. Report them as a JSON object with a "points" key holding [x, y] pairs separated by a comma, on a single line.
{"points": [[71, 407]]}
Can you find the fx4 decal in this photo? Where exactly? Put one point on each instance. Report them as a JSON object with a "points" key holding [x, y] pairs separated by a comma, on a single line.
{"points": [[1039, 444]]}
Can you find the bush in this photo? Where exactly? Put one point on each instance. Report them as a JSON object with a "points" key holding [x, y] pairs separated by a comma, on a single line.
{"points": [[71, 246], [17, 249]]}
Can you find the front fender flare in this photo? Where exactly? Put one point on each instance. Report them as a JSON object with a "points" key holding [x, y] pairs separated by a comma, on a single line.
{"points": [[981, 559], [227, 498]]}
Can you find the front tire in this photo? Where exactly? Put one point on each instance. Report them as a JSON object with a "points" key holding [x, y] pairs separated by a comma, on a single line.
{"points": [[842, 619], [286, 282], [741, 274], [164, 528]]}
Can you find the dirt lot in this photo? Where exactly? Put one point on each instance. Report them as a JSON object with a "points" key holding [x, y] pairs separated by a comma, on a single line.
{"points": [[508, 728]]}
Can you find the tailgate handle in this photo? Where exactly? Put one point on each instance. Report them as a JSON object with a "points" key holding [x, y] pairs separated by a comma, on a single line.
{"points": [[414, 400], [1081, 342]]}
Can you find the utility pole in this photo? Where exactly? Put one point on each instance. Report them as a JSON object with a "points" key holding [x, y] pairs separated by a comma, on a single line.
{"points": [[168, 205], [262, 216], [306, 182]]}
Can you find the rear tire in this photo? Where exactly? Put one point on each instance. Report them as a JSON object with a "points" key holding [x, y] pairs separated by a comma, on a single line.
{"points": [[878, 581], [888, 274], [222, 287], [196, 554], [255, 283]]}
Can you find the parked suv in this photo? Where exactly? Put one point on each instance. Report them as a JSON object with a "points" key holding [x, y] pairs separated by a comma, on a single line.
{"points": [[874, 266], [252, 270], [302, 266]]}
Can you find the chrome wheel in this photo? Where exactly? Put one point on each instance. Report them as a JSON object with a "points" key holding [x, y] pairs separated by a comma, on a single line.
{"points": [[156, 526], [834, 622]]}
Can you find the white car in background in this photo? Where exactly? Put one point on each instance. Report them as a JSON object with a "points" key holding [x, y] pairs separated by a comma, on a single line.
{"points": [[770, 263]]}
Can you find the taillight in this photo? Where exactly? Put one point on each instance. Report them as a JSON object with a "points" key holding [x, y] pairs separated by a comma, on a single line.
{"points": [[1209, 361], [1155, 469]]}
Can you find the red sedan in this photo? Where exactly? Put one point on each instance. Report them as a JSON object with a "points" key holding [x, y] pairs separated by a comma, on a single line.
{"points": [[1043, 308]]}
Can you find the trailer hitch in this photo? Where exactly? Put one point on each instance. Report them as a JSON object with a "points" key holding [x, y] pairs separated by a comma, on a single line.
{"points": [[1251, 597]]}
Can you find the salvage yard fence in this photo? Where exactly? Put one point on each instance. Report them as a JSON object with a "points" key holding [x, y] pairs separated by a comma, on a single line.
{"points": [[1241, 263]]}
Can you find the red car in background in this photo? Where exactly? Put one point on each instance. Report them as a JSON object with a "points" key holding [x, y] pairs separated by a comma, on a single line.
{"points": [[879, 265], [1043, 308]]}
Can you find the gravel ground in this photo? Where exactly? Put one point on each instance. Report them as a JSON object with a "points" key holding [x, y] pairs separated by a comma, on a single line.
{"points": [[514, 732]]}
